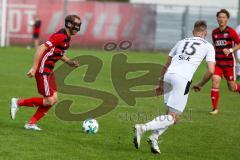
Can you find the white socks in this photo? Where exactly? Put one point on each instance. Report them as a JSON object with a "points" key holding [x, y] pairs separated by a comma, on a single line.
{"points": [[157, 133], [159, 123]]}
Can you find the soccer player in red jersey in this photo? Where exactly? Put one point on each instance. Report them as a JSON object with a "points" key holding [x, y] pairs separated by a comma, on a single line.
{"points": [[44, 61], [36, 31], [223, 37]]}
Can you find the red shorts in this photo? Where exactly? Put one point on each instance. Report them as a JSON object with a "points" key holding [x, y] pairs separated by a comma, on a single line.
{"points": [[228, 72], [46, 84]]}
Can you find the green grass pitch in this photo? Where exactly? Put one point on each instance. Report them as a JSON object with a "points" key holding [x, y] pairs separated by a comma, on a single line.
{"points": [[198, 135]]}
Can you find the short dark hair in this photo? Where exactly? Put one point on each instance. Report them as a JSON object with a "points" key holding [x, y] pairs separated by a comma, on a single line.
{"points": [[223, 11], [71, 18], [200, 26]]}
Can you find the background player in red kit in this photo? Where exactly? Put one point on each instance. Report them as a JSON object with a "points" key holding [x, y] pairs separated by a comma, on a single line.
{"points": [[44, 61], [36, 31], [223, 37], [36, 27]]}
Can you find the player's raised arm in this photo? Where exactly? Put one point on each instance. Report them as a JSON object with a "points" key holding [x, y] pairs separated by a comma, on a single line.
{"points": [[207, 76], [165, 67], [210, 59], [41, 49]]}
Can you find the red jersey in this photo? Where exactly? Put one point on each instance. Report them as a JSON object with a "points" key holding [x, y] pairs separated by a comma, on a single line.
{"points": [[224, 39], [57, 44], [36, 27]]}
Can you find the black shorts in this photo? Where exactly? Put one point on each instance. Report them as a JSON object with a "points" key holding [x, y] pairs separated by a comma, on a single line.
{"points": [[35, 35]]}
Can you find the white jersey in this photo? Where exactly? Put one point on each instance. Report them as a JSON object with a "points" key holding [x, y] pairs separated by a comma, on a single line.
{"points": [[187, 55]]}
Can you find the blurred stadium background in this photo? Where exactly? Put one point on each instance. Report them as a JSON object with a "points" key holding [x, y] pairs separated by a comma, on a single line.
{"points": [[149, 24]]}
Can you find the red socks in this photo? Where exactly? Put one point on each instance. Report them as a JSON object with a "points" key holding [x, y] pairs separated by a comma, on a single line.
{"points": [[35, 102], [238, 88], [41, 111], [215, 97], [31, 102]]}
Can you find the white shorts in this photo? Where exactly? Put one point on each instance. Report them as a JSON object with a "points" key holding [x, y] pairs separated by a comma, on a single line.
{"points": [[176, 90]]}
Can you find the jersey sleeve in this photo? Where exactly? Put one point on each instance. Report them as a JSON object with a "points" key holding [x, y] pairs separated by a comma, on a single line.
{"points": [[210, 57], [54, 40], [173, 51]]}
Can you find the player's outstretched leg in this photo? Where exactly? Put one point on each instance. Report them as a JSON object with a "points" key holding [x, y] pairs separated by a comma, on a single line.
{"points": [[41, 111], [138, 132], [153, 140], [160, 123], [154, 145], [43, 108], [216, 79], [215, 98], [16, 104]]}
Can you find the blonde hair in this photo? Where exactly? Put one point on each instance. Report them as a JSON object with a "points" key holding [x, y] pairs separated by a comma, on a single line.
{"points": [[200, 26]]}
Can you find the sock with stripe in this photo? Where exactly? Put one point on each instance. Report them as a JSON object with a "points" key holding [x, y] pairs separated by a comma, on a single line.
{"points": [[161, 122], [157, 133], [215, 98]]}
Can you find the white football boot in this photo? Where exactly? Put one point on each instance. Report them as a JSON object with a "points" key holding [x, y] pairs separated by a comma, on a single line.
{"points": [[32, 127], [14, 107], [138, 132], [214, 112], [154, 145]]}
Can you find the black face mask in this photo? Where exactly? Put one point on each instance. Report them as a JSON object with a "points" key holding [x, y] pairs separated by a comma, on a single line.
{"points": [[76, 26], [73, 26]]}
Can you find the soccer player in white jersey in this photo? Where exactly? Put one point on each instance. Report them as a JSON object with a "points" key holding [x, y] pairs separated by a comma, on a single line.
{"points": [[175, 80]]}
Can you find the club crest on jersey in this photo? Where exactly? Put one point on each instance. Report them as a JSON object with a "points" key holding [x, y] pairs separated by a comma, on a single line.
{"points": [[225, 35]]}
